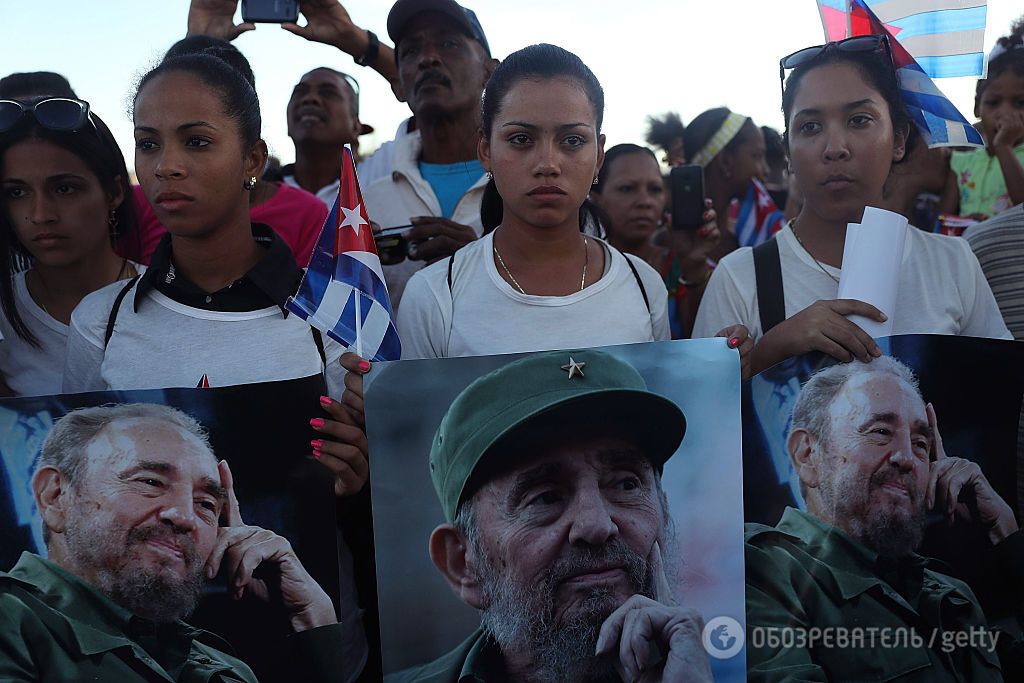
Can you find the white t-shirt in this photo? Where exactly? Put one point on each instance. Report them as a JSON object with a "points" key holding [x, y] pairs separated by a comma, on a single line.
{"points": [[942, 289], [169, 344], [30, 370], [490, 316]]}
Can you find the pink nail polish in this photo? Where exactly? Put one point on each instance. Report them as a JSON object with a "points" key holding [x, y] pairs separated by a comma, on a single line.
{"points": [[317, 423], [326, 400], [734, 342], [317, 444], [364, 366], [317, 454]]}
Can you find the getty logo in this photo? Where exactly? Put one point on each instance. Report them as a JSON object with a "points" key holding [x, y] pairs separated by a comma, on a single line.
{"points": [[722, 637]]}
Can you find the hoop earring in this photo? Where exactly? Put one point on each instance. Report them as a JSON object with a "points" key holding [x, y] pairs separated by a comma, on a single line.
{"points": [[250, 183], [596, 180]]}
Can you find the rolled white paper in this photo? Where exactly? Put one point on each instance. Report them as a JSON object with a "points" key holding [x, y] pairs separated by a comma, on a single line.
{"points": [[872, 260]]}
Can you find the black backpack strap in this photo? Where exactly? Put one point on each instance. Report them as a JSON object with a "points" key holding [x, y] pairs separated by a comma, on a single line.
{"points": [[771, 302], [318, 339], [639, 282], [117, 306]]}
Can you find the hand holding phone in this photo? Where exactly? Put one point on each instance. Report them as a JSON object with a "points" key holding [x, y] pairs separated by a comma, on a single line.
{"points": [[687, 183], [270, 11]]}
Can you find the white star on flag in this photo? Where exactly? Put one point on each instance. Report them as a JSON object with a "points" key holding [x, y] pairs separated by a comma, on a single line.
{"points": [[353, 218]]}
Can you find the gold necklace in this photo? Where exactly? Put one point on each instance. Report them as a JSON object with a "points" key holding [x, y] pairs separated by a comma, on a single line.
{"points": [[583, 279], [792, 227]]}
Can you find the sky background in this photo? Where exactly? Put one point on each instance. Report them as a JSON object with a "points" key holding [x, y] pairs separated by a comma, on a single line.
{"points": [[651, 56]]}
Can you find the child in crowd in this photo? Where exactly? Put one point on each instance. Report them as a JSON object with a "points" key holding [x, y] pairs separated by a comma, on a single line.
{"points": [[984, 182]]}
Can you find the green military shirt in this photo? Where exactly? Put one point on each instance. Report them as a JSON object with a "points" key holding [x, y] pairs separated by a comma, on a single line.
{"points": [[822, 607], [477, 660], [55, 627]]}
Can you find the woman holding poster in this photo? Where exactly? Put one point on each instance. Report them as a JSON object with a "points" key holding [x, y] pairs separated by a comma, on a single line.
{"points": [[846, 126], [209, 311]]}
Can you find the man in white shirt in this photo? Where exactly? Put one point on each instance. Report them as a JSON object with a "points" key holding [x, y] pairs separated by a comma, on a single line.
{"points": [[437, 183]]}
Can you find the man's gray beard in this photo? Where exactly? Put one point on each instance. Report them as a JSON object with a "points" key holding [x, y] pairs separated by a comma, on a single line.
{"points": [[521, 618], [147, 593], [889, 532]]}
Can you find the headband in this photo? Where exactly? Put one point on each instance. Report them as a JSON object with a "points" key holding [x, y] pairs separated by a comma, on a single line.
{"points": [[722, 137]]}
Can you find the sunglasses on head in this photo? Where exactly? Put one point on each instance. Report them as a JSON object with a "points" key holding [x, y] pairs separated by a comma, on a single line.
{"points": [[872, 43], [53, 113]]}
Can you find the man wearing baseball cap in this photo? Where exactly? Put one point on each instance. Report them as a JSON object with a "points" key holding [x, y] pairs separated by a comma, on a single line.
{"points": [[436, 181], [549, 474]]}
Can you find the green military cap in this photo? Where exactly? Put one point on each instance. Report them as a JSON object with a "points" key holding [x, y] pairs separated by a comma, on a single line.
{"points": [[542, 389]]}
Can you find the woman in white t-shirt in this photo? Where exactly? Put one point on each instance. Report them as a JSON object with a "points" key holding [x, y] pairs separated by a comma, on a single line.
{"points": [[64, 187], [535, 281], [846, 126], [210, 308]]}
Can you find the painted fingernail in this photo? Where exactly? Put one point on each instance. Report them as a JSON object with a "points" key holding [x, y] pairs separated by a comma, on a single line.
{"points": [[734, 342], [707, 215], [364, 366], [317, 423], [326, 400], [317, 454], [317, 444]]}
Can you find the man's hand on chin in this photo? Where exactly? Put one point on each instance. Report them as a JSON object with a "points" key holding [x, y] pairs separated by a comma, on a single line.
{"points": [[654, 640]]}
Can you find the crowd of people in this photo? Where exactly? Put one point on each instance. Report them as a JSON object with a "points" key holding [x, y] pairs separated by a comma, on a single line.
{"points": [[523, 232]]}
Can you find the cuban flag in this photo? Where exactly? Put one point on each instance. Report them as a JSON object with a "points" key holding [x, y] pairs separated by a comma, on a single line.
{"points": [[939, 122], [343, 293], [758, 217], [946, 37]]}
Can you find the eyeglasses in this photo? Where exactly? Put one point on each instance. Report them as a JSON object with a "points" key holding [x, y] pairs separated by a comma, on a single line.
{"points": [[872, 43], [52, 113]]}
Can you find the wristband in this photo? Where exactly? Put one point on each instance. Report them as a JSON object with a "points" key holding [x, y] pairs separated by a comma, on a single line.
{"points": [[372, 50]]}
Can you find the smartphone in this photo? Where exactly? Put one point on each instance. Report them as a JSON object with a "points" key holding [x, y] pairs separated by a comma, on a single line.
{"points": [[687, 183], [392, 246], [270, 11]]}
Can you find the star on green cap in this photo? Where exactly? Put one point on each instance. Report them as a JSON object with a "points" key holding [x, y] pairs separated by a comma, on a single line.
{"points": [[555, 385]]}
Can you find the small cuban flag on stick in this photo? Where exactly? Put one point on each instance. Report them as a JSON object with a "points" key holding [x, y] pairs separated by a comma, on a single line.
{"points": [[343, 293]]}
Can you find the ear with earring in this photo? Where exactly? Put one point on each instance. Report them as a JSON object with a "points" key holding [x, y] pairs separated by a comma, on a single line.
{"points": [[250, 183], [112, 225]]}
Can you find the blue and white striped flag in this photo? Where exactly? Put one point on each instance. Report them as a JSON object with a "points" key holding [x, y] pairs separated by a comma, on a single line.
{"points": [[946, 37]]}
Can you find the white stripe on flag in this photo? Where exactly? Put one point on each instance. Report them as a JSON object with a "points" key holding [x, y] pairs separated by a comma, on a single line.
{"points": [[371, 261], [891, 10], [375, 327], [331, 306], [942, 44], [957, 134]]}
